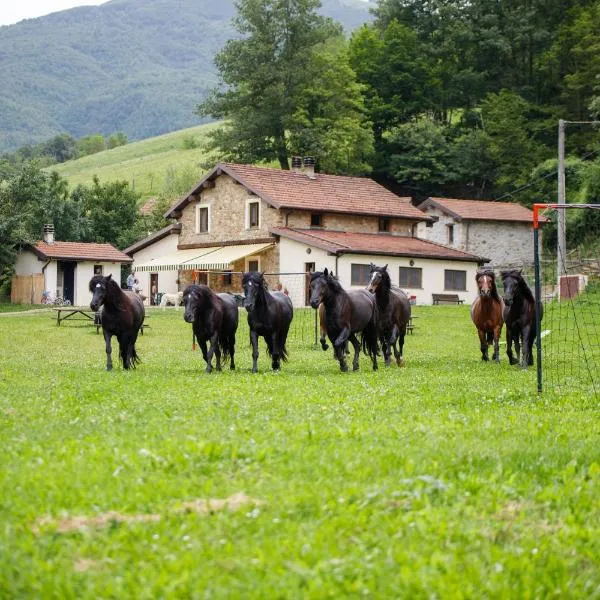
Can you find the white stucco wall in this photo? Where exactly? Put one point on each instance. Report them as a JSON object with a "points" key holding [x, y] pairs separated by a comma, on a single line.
{"points": [[167, 280], [294, 257], [505, 243], [84, 271]]}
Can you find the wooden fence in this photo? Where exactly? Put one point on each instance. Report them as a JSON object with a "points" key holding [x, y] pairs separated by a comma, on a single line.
{"points": [[27, 289]]}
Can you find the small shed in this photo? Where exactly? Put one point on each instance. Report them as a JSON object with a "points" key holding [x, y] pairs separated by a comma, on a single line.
{"points": [[62, 269]]}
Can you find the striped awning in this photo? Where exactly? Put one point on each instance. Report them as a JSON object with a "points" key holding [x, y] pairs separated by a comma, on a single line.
{"points": [[216, 258]]}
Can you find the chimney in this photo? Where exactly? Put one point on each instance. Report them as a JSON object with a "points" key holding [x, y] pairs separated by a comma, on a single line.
{"points": [[297, 164], [309, 167], [49, 233]]}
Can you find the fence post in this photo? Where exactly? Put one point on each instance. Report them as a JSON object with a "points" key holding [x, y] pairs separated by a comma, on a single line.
{"points": [[538, 305]]}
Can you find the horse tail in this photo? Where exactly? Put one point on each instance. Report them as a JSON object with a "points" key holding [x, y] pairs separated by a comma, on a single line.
{"points": [[282, 339], [370, 343], [489, 337], [134, 359]]}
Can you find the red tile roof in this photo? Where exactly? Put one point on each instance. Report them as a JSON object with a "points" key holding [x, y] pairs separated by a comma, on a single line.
{"points": [[330, 193], [481, 209], [148, 206], [80, 251], [342, 242]]}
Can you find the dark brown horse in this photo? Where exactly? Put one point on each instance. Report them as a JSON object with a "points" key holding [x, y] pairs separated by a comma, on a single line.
{"points": [[486, 313], [519, 316], [122, 315], [214, 319], [394, 313], [346, 314], [269, 315]]}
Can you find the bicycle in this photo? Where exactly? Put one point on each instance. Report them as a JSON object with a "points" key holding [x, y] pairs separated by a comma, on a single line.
{"points": [[56, 301]]}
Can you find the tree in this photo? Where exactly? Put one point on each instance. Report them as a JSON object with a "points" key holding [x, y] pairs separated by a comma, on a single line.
{"points": [[90, 144], [263, 76], [116, 139], [110, 210], [330, 122]]}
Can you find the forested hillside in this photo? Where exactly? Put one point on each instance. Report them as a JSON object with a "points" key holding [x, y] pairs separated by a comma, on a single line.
{"points": [[137, 66]]}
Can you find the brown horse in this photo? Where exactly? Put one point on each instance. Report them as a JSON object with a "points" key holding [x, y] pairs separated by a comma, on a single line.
{"points": [[486, 313]]}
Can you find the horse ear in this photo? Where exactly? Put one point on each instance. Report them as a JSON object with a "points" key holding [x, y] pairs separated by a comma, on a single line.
{"points": [[109, 277], [385, 267], [326, 272]]}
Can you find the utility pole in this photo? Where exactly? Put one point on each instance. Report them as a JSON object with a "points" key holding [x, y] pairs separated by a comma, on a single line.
{"points": [[561, 267]]}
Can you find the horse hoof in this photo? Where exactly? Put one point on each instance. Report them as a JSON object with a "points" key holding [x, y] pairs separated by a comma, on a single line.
{"points": [[400, 362], [513, 361], [324, 346], [355, 367], [485, 358], [344, 368]]}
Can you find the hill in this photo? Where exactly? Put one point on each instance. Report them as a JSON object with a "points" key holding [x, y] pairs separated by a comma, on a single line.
{"points": [[137, 66], [146, 165]]}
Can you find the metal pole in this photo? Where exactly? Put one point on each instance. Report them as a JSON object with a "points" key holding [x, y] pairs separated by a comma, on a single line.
{"points": [[538, 305], [561, 245]]}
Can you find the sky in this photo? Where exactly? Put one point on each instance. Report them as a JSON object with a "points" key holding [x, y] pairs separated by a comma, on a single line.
{"points": [[12, 11]]}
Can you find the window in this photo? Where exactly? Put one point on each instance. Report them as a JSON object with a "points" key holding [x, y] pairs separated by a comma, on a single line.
{"points": [[202, 218], [98, 269], [316, 220], [359, 274], [429, 224], [252, 214], [253, 265], [384, 223], [411, 277], [450, 234], [455, 280], [227, 278]]}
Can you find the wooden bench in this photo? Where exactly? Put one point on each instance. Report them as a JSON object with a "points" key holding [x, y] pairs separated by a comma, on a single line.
{"points": [[411, 326], [446, 299], [72, 313]]}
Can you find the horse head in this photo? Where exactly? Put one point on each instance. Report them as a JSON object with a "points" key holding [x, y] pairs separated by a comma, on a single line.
{"points": [[99, 286], [377, 276], [255, 286], [191, 302], [512, 281], [486, 283], [318, 286]]}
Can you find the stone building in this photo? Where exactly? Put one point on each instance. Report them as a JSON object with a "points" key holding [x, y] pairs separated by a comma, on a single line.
{"points": [[502, 231], [286, 223]]}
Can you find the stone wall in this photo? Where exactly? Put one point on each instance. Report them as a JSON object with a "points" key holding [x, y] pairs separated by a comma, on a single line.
{"points": [[227, 201], [340, 222]]}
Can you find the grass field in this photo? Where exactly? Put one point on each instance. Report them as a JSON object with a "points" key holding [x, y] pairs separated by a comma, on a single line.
{"points": [[143, 164], [448, 478]]}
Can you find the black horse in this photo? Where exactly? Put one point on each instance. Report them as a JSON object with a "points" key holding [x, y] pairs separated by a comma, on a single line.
{"points": [[394, 313], [269, 315], [519, 316], [215, 320], [346, 314], [122, 315]]}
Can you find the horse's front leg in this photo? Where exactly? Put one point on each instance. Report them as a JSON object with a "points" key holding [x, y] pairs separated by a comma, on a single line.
{"points": [[275, 352], [354, 341], [483, 346], [203, 347], [214, 344], [527, 355], [339, 346], [386, 349], [254, 342], [509, 343], [107, 337], [496, 355]]}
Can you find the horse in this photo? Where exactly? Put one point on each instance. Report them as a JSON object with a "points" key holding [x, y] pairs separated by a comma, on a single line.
{"points": [[269, 315], [394, 313], [519, 316], [214, 319], [174, 299], [346, 314], [122, 315], [486, 313]]}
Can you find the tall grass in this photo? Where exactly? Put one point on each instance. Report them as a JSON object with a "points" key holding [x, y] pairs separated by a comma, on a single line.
{"points": [[448, 478]]}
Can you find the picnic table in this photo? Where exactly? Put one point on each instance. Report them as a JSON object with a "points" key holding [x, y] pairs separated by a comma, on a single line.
{"points": [[73, 313]]}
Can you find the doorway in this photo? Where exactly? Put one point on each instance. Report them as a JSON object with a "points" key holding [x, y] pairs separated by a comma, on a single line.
{"points": [[153, 289], [68, 280]]}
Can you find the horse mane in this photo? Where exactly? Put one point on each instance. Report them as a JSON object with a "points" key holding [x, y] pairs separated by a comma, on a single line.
{"points": [[490, 273], [386, 282], [522, 284], [331, 279], [203, 292]]}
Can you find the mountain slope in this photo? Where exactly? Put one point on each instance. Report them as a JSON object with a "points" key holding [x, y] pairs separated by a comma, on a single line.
{"points": [[138, 66]]}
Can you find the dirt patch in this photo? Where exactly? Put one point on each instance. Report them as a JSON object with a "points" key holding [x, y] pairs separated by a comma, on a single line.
{"points": [[82, 565], [201, 506]]}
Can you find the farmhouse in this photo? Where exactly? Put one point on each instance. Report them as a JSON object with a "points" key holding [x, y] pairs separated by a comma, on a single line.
{"points": [[62, 269], [501, 231], [286, 223]]}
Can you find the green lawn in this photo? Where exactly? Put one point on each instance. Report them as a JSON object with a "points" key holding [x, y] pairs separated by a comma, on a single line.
{"points": [[143, 164], [448, 478]]}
